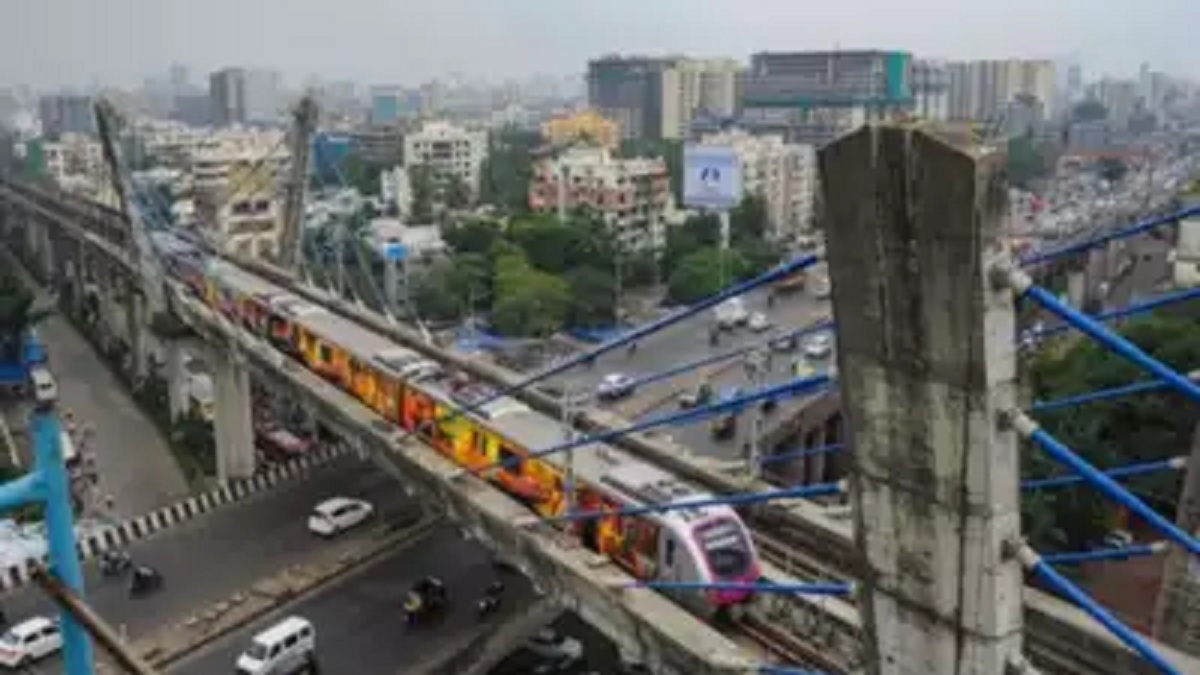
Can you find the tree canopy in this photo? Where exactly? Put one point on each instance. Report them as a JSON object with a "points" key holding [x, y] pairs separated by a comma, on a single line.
{"points": [[1139, 428], [508, 169]]}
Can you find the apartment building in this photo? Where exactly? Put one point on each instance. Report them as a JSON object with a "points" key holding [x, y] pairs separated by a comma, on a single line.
{"points": [[1120, 97], [657, 97], [448, 150], [632, 196], [76, 163], [587, 126], [783, 174], [982, 90], [236, 184]]}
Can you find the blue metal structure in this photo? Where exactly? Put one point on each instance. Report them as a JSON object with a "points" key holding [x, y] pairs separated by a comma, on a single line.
{"points": [[1130, 470], [1122, 553], [799, 454], [48, 484]]}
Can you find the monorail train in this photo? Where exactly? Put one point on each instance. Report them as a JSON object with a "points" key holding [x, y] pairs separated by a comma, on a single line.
{"points": [[698, 545]]}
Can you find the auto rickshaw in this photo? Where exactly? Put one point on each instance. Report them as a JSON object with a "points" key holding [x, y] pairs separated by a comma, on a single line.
{"points": [[424, 599]]}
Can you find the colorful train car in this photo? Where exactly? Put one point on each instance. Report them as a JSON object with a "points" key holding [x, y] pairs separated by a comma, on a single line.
{"points": [[707, 544]]}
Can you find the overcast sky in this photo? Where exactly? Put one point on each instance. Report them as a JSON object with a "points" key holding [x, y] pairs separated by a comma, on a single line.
{"points": [[72, 42]]}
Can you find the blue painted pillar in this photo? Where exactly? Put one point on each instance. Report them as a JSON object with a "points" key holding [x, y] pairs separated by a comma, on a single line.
{"points": [[60, 532]]}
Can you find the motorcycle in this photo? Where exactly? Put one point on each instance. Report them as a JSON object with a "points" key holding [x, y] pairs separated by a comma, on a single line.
{"points": [[114, 564], [144, 580], [490, 601], [426, 597]]}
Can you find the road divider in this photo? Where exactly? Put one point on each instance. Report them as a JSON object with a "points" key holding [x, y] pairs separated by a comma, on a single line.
{"points": [[175, 642], [141, 527]]}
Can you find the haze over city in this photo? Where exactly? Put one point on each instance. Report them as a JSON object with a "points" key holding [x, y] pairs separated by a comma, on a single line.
{"points": [[118, 42]]}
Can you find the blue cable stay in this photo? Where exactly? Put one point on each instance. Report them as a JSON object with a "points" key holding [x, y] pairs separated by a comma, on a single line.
{"points": [[1023, 286], [1122, 553], [829, 588], [1043, 570], [1129, 470], [1062, 454], [1039, 257], [1132, 309], [802, 453], [1109, 394], [771, 393], [775, 274], [739, 499], [731, 354]]}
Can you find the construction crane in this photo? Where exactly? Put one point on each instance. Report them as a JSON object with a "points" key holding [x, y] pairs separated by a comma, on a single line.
{"points": [[304, 122], [109, 124]]}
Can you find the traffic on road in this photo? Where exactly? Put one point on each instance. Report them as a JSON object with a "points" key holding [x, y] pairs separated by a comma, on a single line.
{"points": [[199, 562]]}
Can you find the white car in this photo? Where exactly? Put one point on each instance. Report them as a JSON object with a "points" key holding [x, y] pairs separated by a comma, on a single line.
{"points": [[818, 346], [759, 322], [615, 386], [554, 650], [340, 513], [31, 640]]}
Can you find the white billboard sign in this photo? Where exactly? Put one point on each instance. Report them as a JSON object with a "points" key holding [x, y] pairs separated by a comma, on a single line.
{"points": [[712, 177]]}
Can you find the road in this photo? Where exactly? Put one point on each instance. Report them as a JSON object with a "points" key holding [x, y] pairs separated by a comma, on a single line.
{"points": [[133, 460], [359, 622], [210, 558], [689, 341], [600, 655]]}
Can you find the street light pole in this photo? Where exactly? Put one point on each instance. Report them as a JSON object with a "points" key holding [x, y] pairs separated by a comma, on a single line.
{"points": [[755, 367]]}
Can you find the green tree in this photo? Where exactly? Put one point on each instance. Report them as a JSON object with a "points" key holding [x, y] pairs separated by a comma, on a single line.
{"points": [[473, 235], [748, 220], [694, 234], [1026, 162], [593, 297], [458, 193], [360, 175], [508, 169], [528, 302], [1140, 428], [421, 184], [639, 269], [17, 315], [1090, 110], [703, 273]]}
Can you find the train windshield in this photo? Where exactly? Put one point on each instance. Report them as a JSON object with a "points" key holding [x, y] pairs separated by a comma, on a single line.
{"points": [[725, 546]]}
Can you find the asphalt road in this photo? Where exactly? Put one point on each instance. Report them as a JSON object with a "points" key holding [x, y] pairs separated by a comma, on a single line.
{"points": [[359, 621], [600, 655], [689, 341], [210, 558], [133, 460]]}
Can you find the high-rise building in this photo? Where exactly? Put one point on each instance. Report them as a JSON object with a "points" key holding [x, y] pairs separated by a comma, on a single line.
{"points": [[385, 104], [629, 91], [655, 98], [67, 114], [982, 90], [263, 91], [1119, 97], [227, 96], [812, 97], [783, 174], [236, 181], [931, 90]]}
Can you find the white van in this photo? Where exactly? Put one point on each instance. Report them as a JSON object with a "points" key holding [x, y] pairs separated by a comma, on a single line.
{"points": [[45, 390], [289, 646]]}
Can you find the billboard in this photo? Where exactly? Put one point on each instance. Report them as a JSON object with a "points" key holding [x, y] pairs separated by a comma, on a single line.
{"points": [[712, 177]]}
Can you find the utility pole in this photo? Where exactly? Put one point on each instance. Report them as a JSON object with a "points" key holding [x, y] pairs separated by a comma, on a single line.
{"points": [[756, 367]]}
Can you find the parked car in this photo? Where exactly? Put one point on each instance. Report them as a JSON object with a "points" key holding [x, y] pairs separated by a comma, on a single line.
{"points": [[31, 640], [555, 651], [759, 322], [338, 514]]}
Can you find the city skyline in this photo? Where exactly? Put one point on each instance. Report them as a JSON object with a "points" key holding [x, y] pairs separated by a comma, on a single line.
{"points": [[55, 43]]}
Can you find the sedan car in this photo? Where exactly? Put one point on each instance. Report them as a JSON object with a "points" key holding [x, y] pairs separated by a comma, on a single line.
{"points": [[818, 346], [615, 386], [759, 322], [338, 514]]}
